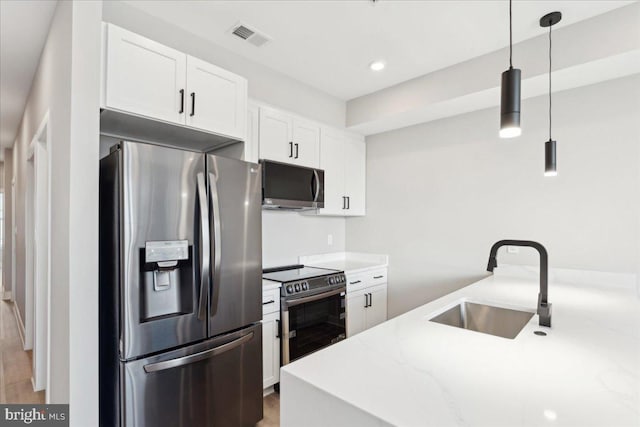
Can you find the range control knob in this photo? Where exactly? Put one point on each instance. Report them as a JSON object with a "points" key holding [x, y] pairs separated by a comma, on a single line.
{"points": [[297, 286], [289, 289], [332, 280], [305, 286]]}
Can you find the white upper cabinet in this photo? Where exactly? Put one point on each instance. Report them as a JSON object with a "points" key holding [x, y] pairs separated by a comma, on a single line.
{"points": [[306, 143], [332, 161], [343, 158], [149, 79], [217, 99], [288, 139], [276, 135], [251, 143], [355, 159], [144, 77]]}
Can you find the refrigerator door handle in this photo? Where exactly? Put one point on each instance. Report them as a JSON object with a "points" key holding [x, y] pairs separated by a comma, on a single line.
{"points": [[207, 354], [215, 202], [204, 241]]}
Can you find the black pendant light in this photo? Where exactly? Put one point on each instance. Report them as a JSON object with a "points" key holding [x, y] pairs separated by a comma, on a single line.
{"points": [[510, 94], [550, 160]]}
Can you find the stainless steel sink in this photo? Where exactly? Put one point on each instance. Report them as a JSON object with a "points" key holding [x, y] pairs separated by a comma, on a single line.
{"points": [[501, 322]]}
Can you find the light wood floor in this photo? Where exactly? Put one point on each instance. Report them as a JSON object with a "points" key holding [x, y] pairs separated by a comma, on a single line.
{"points": [[15, 363], [271, 411]]}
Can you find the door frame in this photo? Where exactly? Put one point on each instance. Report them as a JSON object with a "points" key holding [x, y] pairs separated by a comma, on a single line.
{"points": [[38, 271]]}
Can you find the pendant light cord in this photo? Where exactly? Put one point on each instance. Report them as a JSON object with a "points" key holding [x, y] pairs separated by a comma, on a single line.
{"points": [[550, 82], [510, 37]]}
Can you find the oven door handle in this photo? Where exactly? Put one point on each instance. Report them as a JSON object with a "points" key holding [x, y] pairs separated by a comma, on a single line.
{"points": [[298, 301]]}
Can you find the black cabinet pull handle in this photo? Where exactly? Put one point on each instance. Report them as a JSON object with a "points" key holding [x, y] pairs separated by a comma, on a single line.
{"points": [[378, 277], [268, 302], [366, 300], [348, 202], [278, 332], [355, 283], [290, 149], [296, 150], [193, 104], [370, 300], [181, 101], [344, 202]]}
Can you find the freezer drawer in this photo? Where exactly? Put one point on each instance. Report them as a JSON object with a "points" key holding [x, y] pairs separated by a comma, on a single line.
{"points": [[214, 383]]}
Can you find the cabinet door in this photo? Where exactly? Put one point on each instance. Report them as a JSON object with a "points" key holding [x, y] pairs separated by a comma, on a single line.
{"points": [[251, 142], [306, 141], [356, 313], [144, 77], [276, 139], [217, 99], [270, 350], [355, 156], [333, 164], [377, 312]]}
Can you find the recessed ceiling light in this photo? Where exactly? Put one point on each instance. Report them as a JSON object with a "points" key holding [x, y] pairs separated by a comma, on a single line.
{"points": [[377, 65]]}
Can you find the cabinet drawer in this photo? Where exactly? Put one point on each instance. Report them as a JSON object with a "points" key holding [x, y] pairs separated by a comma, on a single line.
{"points": [[270, 301], [356, 282], [376, 277]]}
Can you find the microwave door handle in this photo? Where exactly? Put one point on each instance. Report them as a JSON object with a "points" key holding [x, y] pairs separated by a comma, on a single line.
{"points": [[207, 354], [204, 241], [316, 179], [217, 248]]}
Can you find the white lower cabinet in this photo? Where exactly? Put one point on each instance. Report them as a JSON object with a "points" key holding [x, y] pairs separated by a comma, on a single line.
{"points": [[270, 336], [270, 349], [366, 300]]}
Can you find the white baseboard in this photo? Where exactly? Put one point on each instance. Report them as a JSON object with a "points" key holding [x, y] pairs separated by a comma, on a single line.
{"points": [[21, 332], [6, 295], [267, 391]]}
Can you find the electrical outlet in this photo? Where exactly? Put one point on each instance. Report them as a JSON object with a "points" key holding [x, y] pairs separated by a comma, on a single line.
{"points": [[513, 249], [330, 239]]}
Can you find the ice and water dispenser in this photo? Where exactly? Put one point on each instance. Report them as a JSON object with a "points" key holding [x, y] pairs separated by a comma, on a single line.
{"points": [[167, 279]]}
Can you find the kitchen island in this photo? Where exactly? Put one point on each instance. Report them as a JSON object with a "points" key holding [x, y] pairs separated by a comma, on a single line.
{"points": [[409, 371]]}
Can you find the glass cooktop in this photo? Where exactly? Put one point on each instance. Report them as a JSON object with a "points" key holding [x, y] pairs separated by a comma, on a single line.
{"points": [[289, 274]]}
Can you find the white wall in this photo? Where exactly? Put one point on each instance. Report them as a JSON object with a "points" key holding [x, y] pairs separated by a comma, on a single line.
{"points": [[51, 90], [66, 84], [287, 235], [265, 84], [84, 166], [7, 252], [441, 193]]}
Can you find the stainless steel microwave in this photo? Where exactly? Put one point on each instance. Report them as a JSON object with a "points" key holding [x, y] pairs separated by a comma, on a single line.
{"points": [[286, 186]]}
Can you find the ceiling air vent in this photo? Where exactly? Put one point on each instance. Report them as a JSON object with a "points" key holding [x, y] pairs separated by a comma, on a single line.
{"points": [[251, 35], [243, 32]]}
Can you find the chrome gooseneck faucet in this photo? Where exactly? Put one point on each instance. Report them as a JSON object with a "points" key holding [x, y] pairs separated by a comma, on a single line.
{"points": [[544, 306]]}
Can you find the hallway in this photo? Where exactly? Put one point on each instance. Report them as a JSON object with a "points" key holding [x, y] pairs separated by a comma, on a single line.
{"points": [[15, 363]]}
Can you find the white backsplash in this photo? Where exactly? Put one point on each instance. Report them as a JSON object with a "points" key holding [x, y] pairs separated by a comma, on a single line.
{"points": [[287, 235]]}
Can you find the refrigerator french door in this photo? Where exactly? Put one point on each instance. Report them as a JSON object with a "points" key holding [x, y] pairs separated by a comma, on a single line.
{"points": [[180, 273]]}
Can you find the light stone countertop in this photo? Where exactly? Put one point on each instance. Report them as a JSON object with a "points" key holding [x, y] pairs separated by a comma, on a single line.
{"points": [[268, 285], [349, 262], [412, 372]]}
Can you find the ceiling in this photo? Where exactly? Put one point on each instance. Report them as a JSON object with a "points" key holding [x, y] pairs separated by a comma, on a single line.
{"points": [[24, 26], [330, 44]]}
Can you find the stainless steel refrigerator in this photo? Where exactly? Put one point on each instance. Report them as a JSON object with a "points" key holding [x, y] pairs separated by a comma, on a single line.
{"points": [[180, 289]]}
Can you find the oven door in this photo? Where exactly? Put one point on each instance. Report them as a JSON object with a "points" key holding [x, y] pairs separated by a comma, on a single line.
{"points": [[311, 323]]}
